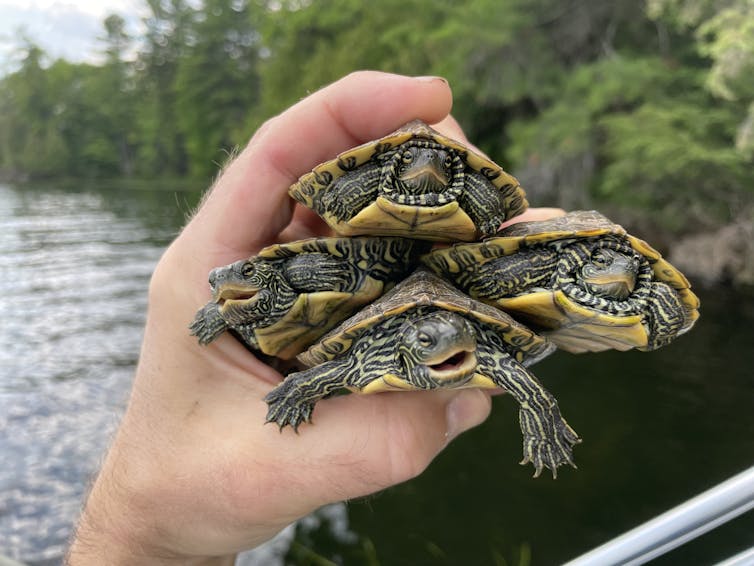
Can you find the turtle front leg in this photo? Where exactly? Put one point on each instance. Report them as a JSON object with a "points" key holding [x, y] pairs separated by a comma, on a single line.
{"points": [[548, 439], [509, 275], [665, 313], [208, 323], [292, 402], [483, 202], [352, 192]]}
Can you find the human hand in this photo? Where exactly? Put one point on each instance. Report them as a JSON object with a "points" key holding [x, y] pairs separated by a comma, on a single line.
{"points": [[193, 475]]}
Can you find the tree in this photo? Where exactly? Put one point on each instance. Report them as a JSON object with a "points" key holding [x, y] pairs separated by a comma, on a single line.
{"points": [[724, 30], [216, 83], [646, 111], [112, 91], [30, 142], [161, 144]]}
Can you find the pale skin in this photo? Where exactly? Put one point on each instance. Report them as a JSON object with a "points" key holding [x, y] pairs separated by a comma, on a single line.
{"points": [[193, 475]]}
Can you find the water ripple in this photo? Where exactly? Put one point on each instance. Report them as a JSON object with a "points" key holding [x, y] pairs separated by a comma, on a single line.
{"points": [[73, 286]]}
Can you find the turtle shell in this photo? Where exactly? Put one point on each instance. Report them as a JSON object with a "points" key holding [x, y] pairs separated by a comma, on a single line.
{"points": [[573, 326], [424, 289], [382, 216], [331, 278]]}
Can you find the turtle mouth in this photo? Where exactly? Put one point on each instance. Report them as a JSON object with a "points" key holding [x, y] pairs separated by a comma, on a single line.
{"points": [[227, 295], [615, 285], [452, 367], [426, 176]]}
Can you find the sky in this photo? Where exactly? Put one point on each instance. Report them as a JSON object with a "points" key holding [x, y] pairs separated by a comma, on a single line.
{"points": [[63, 28]]}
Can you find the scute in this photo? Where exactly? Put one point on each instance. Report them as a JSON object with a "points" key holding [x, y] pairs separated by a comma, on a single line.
{"points": [[576, 224], [310, 317], [423, 288], [390, 220], [573, 327]]}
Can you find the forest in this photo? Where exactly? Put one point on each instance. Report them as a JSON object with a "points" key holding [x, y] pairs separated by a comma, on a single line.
{"points": [[645, 108]]}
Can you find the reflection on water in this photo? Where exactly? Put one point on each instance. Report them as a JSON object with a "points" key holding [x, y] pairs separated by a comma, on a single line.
{"points": [[657, 427], [73, 278]]}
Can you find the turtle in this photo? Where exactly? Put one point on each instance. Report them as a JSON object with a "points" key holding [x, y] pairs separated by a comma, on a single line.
{"points": [[414, 182], [580, 278], [288, 295], [425, 334]]}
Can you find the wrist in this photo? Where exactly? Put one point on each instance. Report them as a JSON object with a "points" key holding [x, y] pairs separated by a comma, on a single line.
{"points": [[106, 535], [122, 525]]}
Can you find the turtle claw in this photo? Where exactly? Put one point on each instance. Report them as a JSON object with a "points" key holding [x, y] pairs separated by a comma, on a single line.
{"points": [[208, 323], [285, 408], [551, 451]]}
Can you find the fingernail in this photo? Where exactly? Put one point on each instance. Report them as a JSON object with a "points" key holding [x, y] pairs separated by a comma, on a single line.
{"points": [[431, 79], [469, 408]]}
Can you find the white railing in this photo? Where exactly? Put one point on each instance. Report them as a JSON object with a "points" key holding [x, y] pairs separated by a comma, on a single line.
{"points": [[681, 524]]}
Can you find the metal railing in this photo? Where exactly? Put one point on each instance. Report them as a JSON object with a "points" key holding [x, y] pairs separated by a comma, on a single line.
{"points": [[681, 524]]}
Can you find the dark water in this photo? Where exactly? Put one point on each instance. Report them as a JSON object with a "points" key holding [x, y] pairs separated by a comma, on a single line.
{"points": [[657, 427]]}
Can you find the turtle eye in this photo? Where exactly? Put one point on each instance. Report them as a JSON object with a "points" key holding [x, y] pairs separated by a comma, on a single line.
{"points": [[408, 156], [424, 339], [600, 259], [248, 269]]}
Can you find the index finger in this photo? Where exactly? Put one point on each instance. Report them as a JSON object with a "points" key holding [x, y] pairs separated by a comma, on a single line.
{"points": [[249, 205]]}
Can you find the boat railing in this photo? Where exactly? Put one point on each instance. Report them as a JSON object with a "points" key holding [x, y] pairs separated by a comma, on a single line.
{"points": [[679, 525]]}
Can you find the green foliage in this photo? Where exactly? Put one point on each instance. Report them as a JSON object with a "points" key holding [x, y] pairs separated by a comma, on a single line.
{"points": [[27, 108], [678, 162], [724, 32], [216, 83], [644, 107], [162, 148], [314, 44]]}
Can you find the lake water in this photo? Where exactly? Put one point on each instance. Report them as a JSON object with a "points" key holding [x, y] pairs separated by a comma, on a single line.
{"points": [[657, 427]]}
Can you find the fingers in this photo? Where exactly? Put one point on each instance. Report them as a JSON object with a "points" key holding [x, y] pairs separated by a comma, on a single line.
{"points": [[450, 127], [535, 214], [394, 437], [466, 410], [305, 223], [249, 205]]}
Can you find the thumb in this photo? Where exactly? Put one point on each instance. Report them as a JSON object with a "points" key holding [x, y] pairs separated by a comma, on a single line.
{"points": [[393, 437], [469, 408]]}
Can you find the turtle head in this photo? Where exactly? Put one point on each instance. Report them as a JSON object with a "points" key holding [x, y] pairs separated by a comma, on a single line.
{"points": [[242, 289], [422, 173], [438, 350], [424, 169], [610, 274]]}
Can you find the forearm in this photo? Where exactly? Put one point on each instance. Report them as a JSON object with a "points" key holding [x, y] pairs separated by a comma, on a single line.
{"points": [[112, 531]]}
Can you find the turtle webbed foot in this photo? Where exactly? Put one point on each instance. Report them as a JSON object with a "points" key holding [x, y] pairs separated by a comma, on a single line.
{"points": [[292, 402], [337, 206], [208, 323], [552, 450], [286, 407]]}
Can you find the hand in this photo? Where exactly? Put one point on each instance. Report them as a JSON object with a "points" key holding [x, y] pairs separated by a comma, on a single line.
{"points": [[193, 474]]}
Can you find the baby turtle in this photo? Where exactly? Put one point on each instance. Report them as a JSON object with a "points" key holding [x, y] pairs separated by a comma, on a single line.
{"points": [[425, 334], [414, 182], [287, 296], [580, 276]]}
